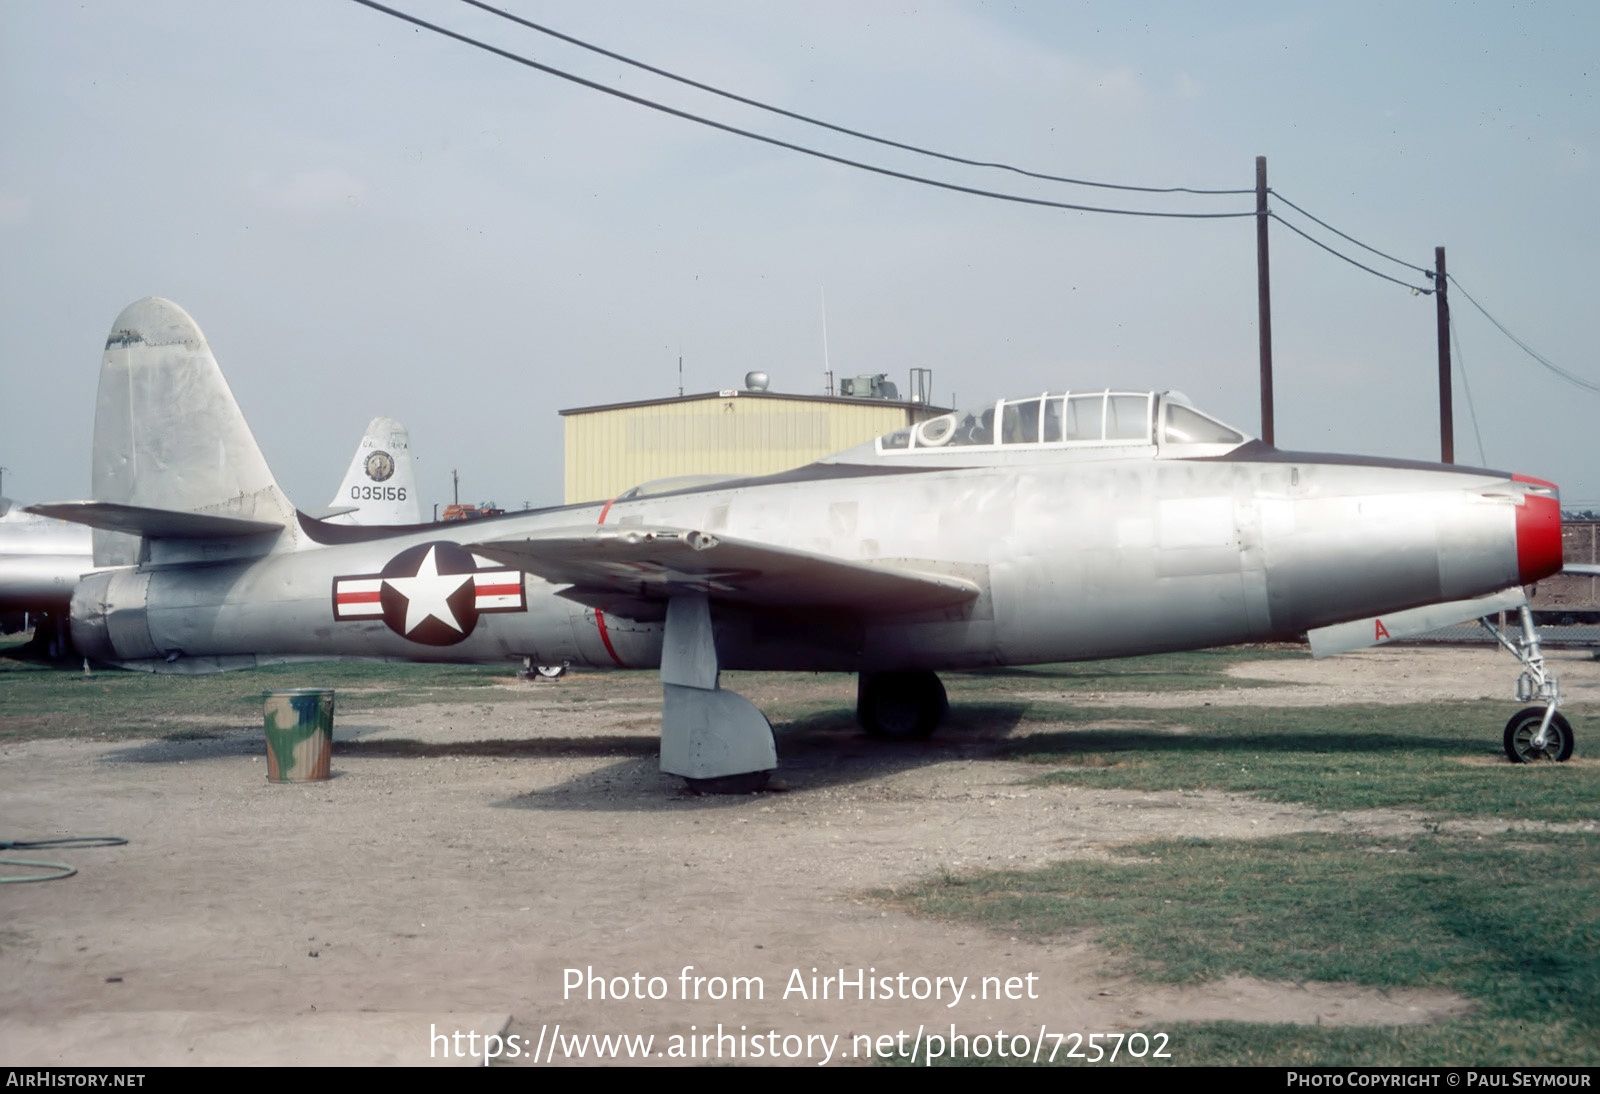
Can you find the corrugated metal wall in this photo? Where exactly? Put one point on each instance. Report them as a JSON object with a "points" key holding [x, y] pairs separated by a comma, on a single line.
{"points": [[611, 449]]}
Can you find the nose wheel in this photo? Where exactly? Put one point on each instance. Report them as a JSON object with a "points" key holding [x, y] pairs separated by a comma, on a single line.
{"points": [[1537, 734], [1529, 740]]}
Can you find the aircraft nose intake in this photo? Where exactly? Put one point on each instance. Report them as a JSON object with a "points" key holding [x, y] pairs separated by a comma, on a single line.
{"points": [[1538, 530]]}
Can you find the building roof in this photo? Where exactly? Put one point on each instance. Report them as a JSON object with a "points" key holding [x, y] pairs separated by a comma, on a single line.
{"points": [[729, 393]]}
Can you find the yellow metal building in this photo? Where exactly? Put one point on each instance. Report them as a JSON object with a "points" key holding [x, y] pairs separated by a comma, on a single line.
{"points": [[616, 447]]}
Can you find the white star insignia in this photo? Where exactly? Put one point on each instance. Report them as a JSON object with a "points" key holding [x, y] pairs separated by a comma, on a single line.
{"points": [[428, 593]]}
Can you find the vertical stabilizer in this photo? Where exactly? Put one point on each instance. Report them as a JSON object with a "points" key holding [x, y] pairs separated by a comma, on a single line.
{"points": [[381, 483], [167, 431]]}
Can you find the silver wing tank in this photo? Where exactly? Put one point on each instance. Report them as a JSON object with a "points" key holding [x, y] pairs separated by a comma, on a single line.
{"points": [[1060, 526]]}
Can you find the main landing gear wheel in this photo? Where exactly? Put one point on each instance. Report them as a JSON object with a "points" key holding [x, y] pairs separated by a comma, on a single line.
{"points": [[900, 705], [1524, 728], [550, 672], [747, 782]]}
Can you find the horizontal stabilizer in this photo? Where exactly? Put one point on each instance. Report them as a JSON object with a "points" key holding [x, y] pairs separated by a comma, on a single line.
{"points": [[1377, 630], [157, 523], [654, 563], [1583, 569]]}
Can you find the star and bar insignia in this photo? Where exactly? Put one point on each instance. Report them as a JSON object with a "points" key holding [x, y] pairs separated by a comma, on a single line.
{"points": [[432, 593]]}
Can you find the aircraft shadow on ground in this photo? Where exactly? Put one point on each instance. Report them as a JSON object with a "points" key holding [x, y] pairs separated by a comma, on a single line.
{"points": [[225, 739], [191, 746], [816, 752]]}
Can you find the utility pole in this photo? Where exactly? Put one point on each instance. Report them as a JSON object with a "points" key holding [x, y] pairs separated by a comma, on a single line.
{"points": [[1264, 299], [455, 479], [1447, 422]]}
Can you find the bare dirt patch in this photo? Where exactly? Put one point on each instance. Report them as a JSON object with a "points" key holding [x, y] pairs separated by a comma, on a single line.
{"points": [[465, 855], [1386, 674]]}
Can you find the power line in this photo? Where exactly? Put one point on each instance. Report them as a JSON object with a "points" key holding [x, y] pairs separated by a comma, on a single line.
{"points": [[1472, 411], [759, 105], [1347, 258], [1570, 377], [653, 105], [922, 180], [1399, 261]]}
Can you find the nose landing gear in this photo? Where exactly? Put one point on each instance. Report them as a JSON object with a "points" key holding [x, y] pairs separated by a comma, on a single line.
{"points": [[1536, 733]]}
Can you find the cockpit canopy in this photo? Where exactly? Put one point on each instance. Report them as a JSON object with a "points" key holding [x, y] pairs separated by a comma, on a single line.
{"points": [[1071, 419]]}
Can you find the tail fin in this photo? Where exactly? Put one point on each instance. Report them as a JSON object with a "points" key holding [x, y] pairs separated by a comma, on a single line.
{"points": [[168, 434], [381, 484]]}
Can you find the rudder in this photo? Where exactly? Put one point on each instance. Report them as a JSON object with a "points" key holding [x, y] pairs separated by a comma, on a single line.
{"points": [[381, 484]]}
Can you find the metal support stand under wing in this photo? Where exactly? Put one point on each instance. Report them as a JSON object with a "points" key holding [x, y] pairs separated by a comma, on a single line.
{"points": [[716, 739]]}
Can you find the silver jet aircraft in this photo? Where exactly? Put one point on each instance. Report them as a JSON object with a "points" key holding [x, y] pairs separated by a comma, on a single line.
{"points": [[1053, 527]]}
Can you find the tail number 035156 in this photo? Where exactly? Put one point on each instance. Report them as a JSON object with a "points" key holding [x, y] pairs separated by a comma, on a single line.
{"points": [[377, 493]]}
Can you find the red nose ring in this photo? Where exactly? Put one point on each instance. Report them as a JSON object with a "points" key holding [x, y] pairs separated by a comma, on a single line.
{"points": [[1538, 532]]}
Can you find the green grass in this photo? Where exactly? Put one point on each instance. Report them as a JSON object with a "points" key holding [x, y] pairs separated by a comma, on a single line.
{"points": [[1508, 922], [1443, 757]]}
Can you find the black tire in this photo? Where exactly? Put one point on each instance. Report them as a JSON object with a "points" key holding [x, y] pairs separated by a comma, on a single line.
{"points": [[1524, 727], [901, 705], [747, 782]]}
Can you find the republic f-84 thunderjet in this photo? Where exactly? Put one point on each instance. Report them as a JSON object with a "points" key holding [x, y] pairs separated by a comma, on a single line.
{"points": [[1054, 527]]}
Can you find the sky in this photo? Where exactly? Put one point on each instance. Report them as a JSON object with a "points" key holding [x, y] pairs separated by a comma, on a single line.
{"points": [[366, 218]]}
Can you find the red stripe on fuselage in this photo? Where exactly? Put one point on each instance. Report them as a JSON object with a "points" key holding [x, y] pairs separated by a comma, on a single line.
{"points": [[600, 622], [600, 616], [359, 598]]}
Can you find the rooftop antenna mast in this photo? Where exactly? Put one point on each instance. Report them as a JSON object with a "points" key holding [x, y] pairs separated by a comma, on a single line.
{"points": [[827, 368]]}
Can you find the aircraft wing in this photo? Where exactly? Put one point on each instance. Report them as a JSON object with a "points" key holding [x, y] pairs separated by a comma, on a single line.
{"points": [[652, 563], [1586, 569]]}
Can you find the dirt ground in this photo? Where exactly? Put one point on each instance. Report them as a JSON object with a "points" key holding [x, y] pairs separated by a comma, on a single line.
{"points": [[465, 856]]}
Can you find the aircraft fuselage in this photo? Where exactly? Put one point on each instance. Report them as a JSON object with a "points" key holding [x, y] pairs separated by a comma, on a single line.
{"points": [[1074, 558]]}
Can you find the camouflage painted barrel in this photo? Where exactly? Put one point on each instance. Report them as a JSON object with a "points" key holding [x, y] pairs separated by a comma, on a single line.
{"points": [[299, 725]]}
